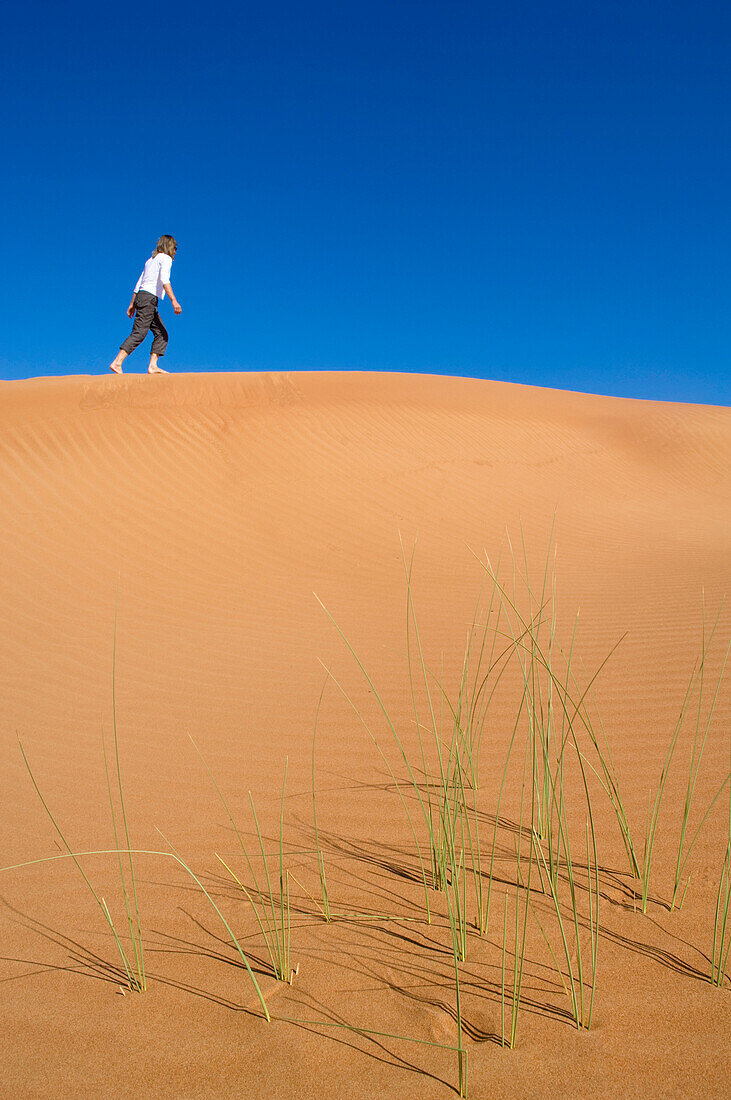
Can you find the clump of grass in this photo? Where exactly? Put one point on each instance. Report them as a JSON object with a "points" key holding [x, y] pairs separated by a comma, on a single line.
{"points": [[699, 743], [171, 854], [446, 780], [581, 984], [318, 849], [502, 973], [512, 993], [451, 765], [579, 987], [448, 765], [181, 862], [607, 776], [456, 929], [695, 683], [136, 928], [521, 924], [397, 784], [134, 964], [550, 729], [721, 928], [271, 908]]}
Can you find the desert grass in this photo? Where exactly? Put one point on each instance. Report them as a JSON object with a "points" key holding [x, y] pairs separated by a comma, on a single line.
{"points": [[133, 962], [554, 874], [447, 767], [438, 795], [171, 853], [271, 907], [607, 776], [447, 771], [721, 928], [242, 954], [694, 691], [699, 743], [457, 956], [444, 780], [325, 898], [521, 923], [551, 725]]}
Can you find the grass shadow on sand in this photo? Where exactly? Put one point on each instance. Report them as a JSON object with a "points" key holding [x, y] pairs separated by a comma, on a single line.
{"points": [[87, 964]]}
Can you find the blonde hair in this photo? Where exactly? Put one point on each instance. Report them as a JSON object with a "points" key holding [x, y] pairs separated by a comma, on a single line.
{"points": [[167, 245]]}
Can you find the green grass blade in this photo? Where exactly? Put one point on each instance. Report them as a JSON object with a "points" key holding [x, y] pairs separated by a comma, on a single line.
{"points": [[178, 858], [100, 902]]}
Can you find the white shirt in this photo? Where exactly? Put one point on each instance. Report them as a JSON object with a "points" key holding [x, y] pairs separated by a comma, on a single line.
{"points": [[155, 273]]}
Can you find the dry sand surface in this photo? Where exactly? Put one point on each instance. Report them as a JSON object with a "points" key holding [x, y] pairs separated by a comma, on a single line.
{"points": [[205, 511]]}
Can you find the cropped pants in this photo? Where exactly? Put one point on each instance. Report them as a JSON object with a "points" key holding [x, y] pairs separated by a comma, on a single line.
{"points": [[146, 318]]}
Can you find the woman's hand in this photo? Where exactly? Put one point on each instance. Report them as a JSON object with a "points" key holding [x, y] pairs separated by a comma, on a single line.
{"points": [[178, 308], [131, 308]]}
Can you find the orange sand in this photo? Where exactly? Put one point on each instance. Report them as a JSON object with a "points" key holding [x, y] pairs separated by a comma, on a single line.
{"points": [[216, 505]]}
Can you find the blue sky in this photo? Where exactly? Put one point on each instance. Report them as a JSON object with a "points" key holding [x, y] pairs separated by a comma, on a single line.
{"points": [[530, 191]]}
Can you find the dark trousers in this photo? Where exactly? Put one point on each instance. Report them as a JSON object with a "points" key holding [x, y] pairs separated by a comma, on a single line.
{"points": [[146, 318]]}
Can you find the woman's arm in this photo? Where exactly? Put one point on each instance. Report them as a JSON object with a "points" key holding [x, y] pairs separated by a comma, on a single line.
{"points": [[175, 303], [131, 307]]}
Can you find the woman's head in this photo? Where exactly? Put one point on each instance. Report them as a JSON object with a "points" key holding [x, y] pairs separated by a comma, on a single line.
{"points": [[168, 245]]}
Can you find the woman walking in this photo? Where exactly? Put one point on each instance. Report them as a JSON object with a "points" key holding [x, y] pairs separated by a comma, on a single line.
{"points": [[152, 285]]}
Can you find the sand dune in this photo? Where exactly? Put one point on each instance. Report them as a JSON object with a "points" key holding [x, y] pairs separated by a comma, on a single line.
{"points": [[204, 512]]}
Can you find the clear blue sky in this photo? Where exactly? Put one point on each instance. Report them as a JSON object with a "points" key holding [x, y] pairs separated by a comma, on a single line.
{"points": [[529, 190]]}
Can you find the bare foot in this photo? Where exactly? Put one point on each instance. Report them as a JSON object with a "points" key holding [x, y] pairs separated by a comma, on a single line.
{"points": [[116, 367], [154, 369]]}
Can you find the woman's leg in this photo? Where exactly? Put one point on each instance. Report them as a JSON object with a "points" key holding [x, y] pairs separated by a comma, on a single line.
{"points": [[146, 308], [159, 344], [116, 364], [153, 367]]}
